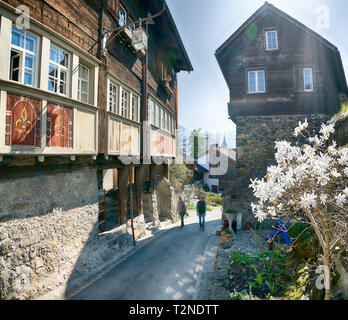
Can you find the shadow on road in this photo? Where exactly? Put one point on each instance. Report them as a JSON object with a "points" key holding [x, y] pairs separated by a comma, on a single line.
{"points": [[169, 267]]}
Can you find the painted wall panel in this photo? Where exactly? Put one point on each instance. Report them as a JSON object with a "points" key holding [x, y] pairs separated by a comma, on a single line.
{"points": [[85, 123], [114, 135], [59, 126], [23, 121]]}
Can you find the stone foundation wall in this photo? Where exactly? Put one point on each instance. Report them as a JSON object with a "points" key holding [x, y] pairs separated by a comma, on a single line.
{"points": [[256, 136], [45, 224], [49, 236]]}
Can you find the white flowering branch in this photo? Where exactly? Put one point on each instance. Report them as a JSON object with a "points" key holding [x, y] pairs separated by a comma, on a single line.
{"points": [[309, 181]]}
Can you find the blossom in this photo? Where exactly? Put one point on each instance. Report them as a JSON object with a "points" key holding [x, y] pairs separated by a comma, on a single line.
{"points": [[272, 211], [345, 191], [326, 130], [301, 127], [341, 199], [335, 173], [323, 180], [308, 200], [346, 171], [260, 215], [343, 161], [332, 149], [323, 199]]}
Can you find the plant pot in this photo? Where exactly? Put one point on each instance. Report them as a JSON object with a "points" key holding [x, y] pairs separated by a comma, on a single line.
{"points": [[247, 225], [226, 237]]}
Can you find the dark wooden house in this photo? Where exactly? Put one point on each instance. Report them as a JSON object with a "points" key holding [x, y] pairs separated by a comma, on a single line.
{"points": [[87, 94], [278, 72]]}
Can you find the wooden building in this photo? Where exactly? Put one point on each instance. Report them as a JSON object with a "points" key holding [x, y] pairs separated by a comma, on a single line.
{"points": [[278, 72], [85, 88]]}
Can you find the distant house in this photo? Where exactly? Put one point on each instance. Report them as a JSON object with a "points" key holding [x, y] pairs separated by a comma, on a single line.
{"points": [[211, 161], [279, 72]]}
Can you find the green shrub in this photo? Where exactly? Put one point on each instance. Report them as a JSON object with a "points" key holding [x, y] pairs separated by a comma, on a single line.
{"points": [[214, 199], [206, 188], [191, 206]]}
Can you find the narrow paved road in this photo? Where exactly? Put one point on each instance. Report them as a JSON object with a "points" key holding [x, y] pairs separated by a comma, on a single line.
{"points": [[178, 264]]}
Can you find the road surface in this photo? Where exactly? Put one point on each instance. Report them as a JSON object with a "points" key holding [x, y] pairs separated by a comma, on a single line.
{"points": [[178, 264]]}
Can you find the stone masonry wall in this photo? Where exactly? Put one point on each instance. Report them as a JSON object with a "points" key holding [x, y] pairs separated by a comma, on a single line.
{"points": [[40, 241], [256, 136]]}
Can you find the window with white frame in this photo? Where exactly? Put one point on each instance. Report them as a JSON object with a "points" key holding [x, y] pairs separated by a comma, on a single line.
{"points": [[308, 79], [135, 108], [58, 73], [167, 121], [152, 112], [24, 53], [163, 124], [256, 81], [122, 17], [158, 115], [83, 85], [125, 104], [271, 40], [113, 98]]}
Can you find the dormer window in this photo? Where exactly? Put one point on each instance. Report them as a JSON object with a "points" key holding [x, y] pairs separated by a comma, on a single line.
{"points": [[271, 40]]}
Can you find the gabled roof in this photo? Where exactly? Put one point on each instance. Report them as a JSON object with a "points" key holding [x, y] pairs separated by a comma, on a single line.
{"points": [[171, 40], [260, 13], [201, 169]]}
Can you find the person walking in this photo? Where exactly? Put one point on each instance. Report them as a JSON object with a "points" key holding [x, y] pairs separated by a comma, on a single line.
{"points": [[182, 210], [201, 209]]}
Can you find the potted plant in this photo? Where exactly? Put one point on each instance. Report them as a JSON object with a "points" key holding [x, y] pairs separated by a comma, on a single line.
{"points": [[226, 236]]}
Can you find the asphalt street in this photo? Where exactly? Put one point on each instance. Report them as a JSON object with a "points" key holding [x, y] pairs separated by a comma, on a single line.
{"points": [[178, 264]]}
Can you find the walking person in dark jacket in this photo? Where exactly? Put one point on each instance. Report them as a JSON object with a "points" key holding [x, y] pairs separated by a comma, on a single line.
{"points": [[182, 210], [201, 209]]}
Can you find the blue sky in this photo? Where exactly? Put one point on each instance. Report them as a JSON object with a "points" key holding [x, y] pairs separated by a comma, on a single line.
{"points": [[205, 24]]}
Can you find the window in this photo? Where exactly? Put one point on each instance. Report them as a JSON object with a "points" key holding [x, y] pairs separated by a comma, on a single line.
{"points": [[271, 40], [152, 112], [58, 72], [256, 80], [166, 120], [131, 27], [135, 108], [308, 79], [122, 17], [125, 104], [158, 115], [113, 98], [83, 85], [162, 119], [24, 53]]}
